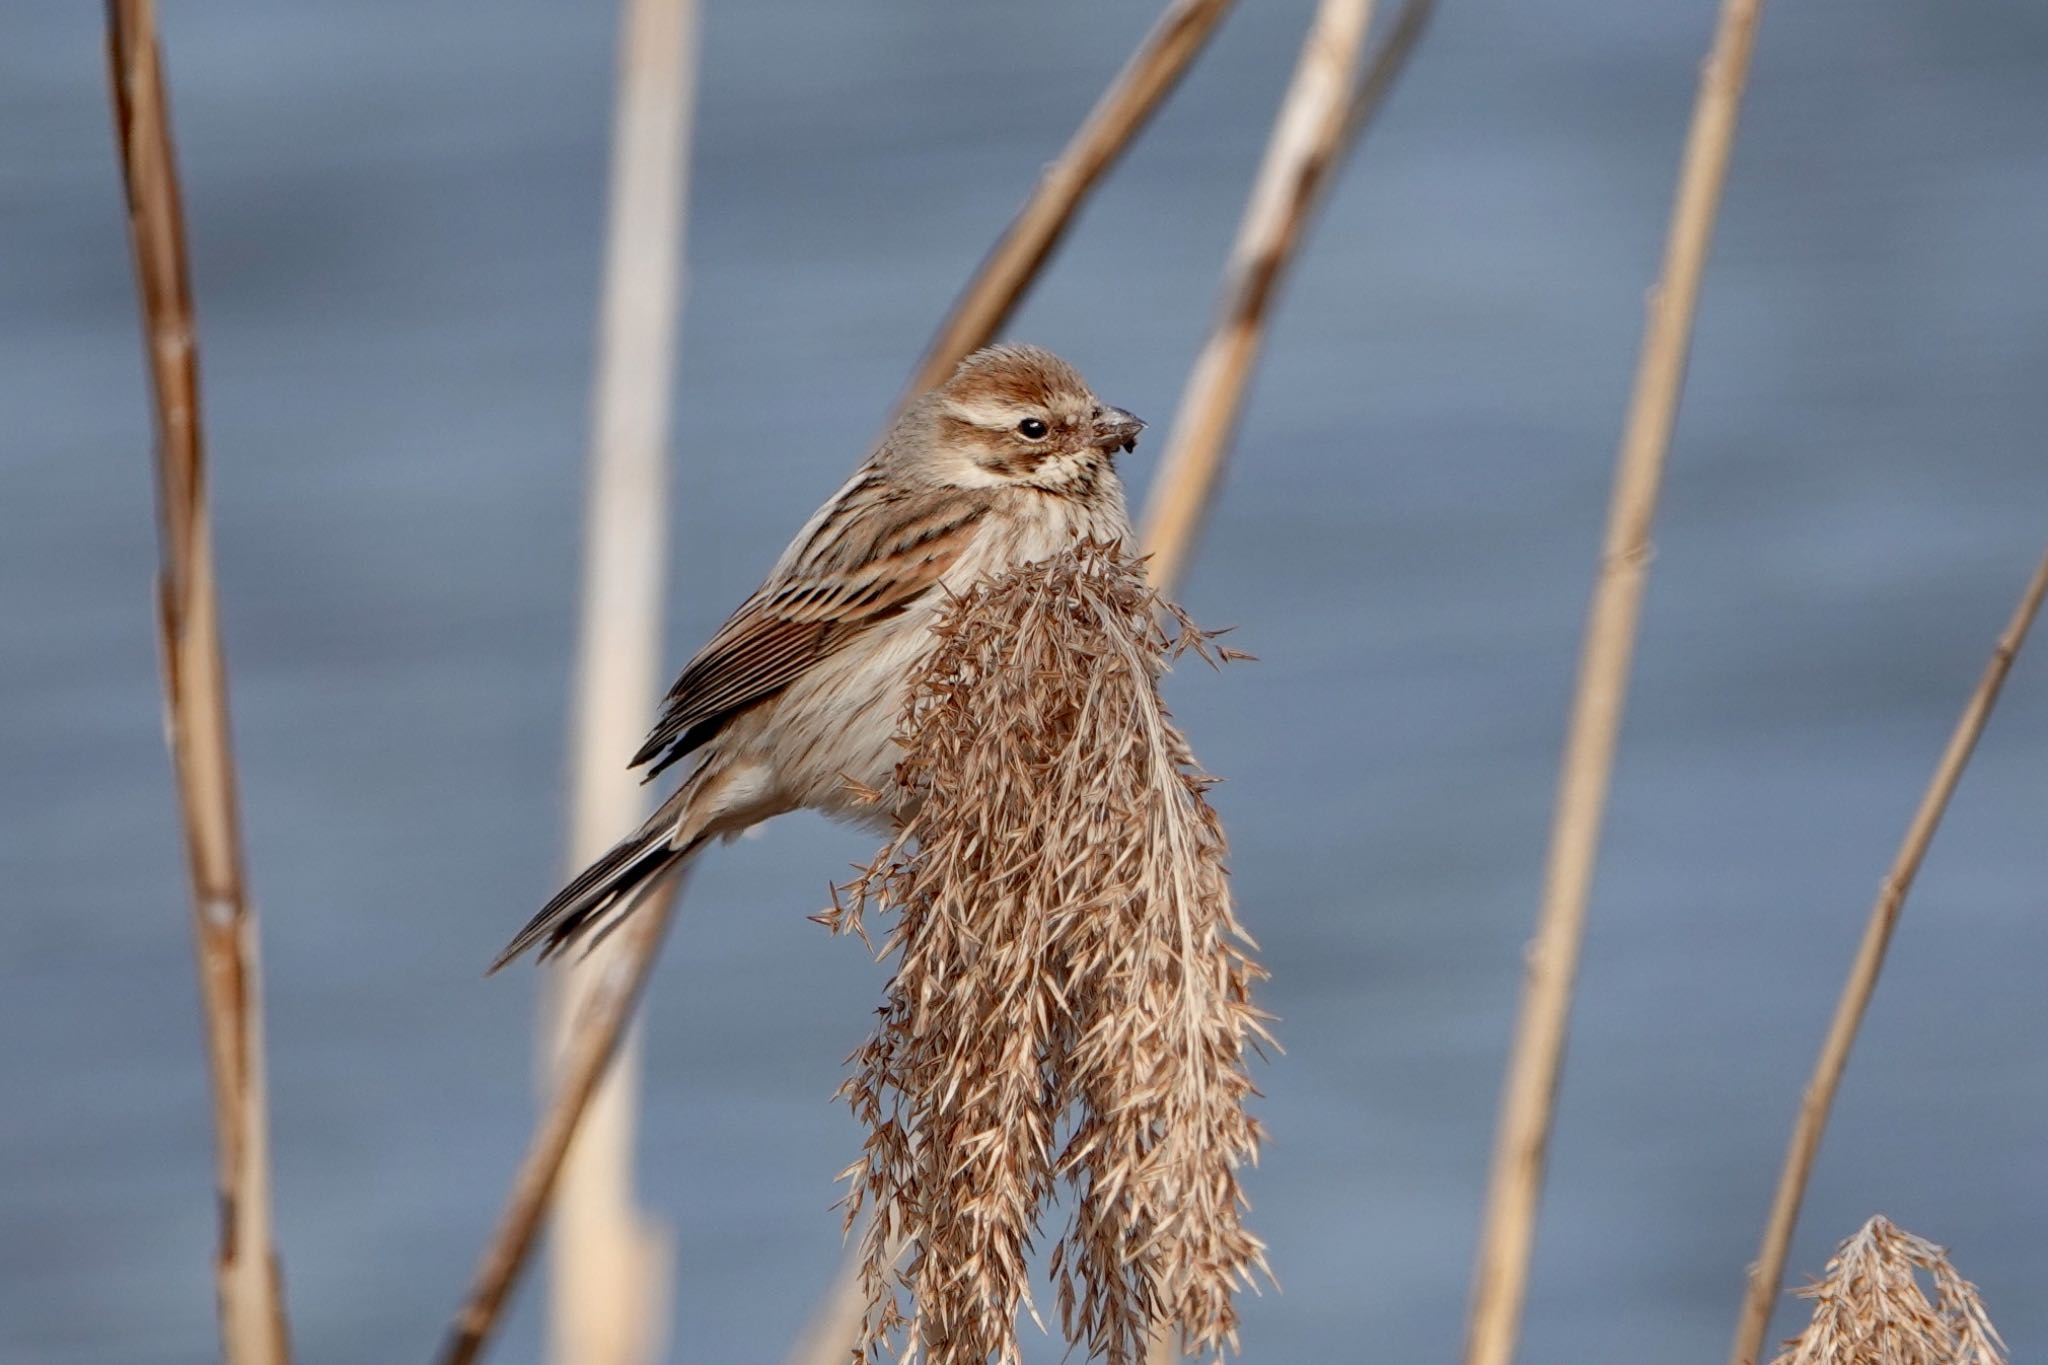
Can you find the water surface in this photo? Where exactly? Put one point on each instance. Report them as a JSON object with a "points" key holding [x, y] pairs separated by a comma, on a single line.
{"points": [[396, 215]]}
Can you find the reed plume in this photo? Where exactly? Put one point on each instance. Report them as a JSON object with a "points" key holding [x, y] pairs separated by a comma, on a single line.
{"points": [[1869, 1307], [1071, 1003]]}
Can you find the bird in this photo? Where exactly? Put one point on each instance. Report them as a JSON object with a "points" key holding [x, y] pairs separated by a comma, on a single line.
{"points": [[795, 702]]}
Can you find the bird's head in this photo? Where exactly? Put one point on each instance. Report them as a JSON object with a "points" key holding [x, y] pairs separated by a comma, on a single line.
{"points": [[1017, 415]]}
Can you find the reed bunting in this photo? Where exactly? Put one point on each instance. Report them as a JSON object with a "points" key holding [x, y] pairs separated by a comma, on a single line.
{"points": [[795, 702]]}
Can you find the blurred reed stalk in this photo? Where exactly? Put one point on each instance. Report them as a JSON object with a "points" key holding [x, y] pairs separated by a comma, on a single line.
{"points": [[607, 1004], [1015, 260], [1387, 62], [246, 1279], [1310, 134], [611, 1266], [1500, 1277], [1869, 1309], [834, 1327], [1819, 1097]]}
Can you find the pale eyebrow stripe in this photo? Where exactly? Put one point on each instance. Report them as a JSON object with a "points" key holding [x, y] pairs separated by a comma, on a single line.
{"points": [[988, 414]]}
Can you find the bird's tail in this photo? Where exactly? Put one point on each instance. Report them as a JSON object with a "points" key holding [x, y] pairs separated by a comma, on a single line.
{"points": [[603, 894]]}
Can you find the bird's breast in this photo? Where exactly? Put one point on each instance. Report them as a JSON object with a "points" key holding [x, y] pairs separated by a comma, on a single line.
{"points": [[1028, 525]]}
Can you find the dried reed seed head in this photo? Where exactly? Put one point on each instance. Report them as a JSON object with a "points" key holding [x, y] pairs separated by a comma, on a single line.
{"points": [[1071, 1001], [1869, 1308]]}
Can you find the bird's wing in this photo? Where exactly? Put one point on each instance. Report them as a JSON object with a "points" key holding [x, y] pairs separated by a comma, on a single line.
{"points": [[865, 557]]}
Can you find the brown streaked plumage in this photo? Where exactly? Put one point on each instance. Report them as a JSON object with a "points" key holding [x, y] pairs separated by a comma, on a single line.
{"points": [[782, 630], [795, 701]]}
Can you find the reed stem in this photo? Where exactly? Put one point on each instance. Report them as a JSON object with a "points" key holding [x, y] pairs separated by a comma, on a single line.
{"points": [[609, 1264], [247, 1281], [1308, 139], [593, 1039], [1500, 1277]]}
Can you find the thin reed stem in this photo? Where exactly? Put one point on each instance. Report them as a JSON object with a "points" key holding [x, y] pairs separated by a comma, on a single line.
{"points": [[1186, 484], [610, 1265], [592, 1039], [1021, 252], [833, 1331], [247, 1283], [1308, 139], [1529, 1095], [1389, 58], [1768, 1270]]}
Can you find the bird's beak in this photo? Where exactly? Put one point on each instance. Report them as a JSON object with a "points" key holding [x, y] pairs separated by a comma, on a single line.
{"points": [[1116, 429]]}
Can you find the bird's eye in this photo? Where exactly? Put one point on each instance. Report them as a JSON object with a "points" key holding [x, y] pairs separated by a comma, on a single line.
{"points": [[1031, 429]]}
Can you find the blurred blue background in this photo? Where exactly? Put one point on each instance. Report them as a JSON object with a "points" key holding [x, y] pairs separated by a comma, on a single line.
{"points": [[396, 213]]}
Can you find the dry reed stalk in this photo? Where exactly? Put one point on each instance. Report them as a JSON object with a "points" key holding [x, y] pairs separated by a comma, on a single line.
{"points": [[1598, 702], [1869, 1308], [1188, 476], [1071, 1000], [593, 1038], [1529, 1095], [1819, 1096], [1385, 65], [609, 1264], [1124, 108], [247, 1283], [1307, 142], [830, 1335]]}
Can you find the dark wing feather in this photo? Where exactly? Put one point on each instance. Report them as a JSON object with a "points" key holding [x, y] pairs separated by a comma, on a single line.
{"points": [[871, 553]]}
